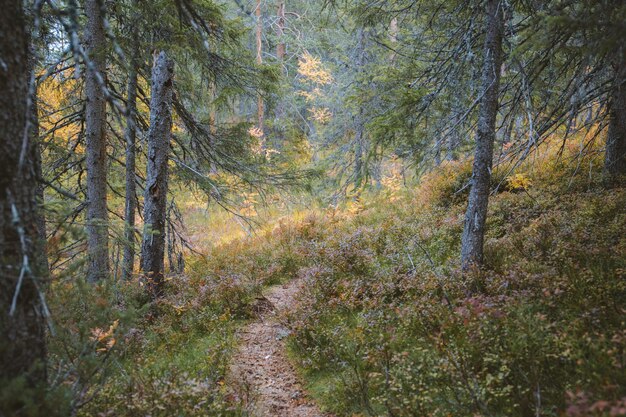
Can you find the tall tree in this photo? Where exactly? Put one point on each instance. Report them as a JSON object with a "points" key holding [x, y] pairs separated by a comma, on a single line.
{"points": [[259, 61], [34, 138], [155, 196], [281, 50], [359, 125], [476, 214], [22, 343], [95, 133], [281, 47], [393, 38], [615, 155], [130, 203]]}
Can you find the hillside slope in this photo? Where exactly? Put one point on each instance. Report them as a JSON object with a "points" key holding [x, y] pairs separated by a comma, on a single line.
{"points": [[386, 324]]}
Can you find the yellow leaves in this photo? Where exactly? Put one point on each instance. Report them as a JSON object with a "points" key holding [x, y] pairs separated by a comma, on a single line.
{"points": [[256, 132], [354, 207], [248, 208], [55, 93], [311, 96], [518, 182], [392, 181], [312, 70], [104, 338], [225, 316], [321, 114], [179, 309], [260, 146]]}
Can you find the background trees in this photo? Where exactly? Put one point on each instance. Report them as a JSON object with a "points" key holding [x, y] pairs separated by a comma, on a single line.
{"points": [[392, 83], [246, 104]]}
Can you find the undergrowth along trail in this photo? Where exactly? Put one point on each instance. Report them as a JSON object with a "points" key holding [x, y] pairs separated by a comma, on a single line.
{"points": [[261, 376]]}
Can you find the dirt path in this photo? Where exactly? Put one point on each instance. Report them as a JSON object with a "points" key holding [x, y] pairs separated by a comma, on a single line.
{"points": [[263, 379]]}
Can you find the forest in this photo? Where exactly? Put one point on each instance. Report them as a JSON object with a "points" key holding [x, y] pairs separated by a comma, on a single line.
{"points": [[313, 208]]}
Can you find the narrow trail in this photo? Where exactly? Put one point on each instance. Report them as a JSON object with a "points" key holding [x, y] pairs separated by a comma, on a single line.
{"points": [[262, 377]]}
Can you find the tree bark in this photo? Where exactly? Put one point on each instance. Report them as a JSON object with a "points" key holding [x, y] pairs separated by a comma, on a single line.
{"points": [[22, 326], [476, 214], [259, 61], [281, 47], [393, 37], [213, 122], [359, 139], [130, 202], [34, 138], [615, 155], [95, 133], [281, 50], [155, 196]]}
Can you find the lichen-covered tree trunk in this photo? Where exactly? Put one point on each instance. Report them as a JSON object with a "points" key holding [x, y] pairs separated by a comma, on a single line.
{"points": [[393, 38], [281, 50], [476, 214], [281, 47], [34, 137], [259, 60], [359, 134], [615, 155], [130, 203], [95, 134], [22, 341], [155, 196]]}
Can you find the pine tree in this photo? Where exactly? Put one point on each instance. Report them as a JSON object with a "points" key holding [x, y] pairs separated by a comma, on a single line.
{"points": [[22, 312], [130, 201], [476, 214], [95, 133]]}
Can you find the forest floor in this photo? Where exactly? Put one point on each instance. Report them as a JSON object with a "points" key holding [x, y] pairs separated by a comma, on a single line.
{"points": [[261, 375]]}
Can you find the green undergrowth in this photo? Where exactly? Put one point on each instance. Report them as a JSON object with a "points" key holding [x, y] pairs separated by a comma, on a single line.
{"points": [[388, 325], [115, 353]]}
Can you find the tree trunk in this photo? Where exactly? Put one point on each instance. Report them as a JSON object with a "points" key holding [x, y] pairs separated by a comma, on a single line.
{"points": [[453, 133], [359, 151], [259, 61], [615, 155], [476, 214], [359, 139], [281, 48], [34, 138], [95, 133], [22, 326], [130, 205], [213, 123], [393, 37], [41, 217], [155, 196]]}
